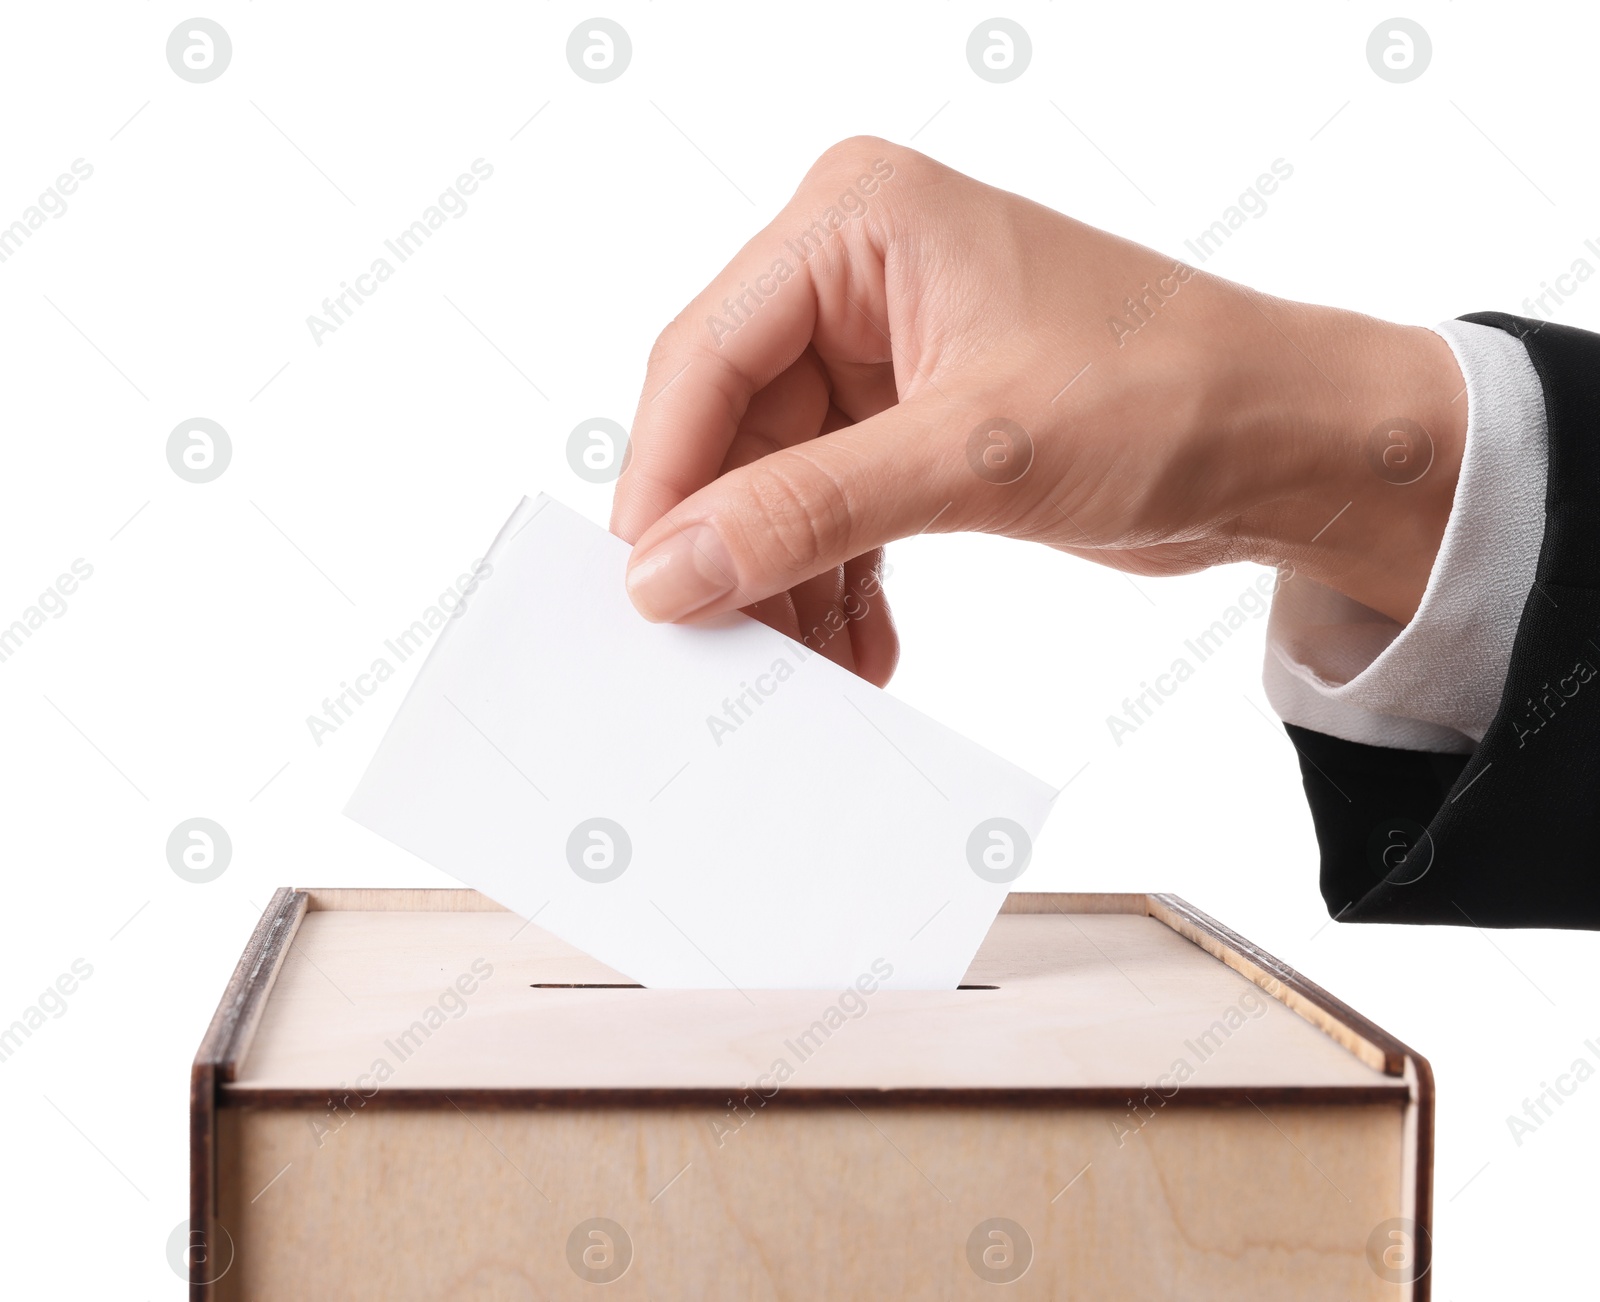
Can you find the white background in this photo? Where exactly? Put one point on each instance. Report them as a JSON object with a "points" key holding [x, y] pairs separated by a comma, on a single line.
{"points": [[178, 283]]}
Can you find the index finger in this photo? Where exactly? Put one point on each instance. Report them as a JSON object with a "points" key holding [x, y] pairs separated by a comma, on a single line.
{"points": [[738, 334], [807, 272]]}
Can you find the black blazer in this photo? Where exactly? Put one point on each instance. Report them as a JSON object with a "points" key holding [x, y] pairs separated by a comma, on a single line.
{"points": [[1510, 835]]}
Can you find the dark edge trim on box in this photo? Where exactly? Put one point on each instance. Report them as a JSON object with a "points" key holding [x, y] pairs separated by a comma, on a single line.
{"points": [[1422, 1289], [1396, 1056], [348, 1101], [1394, 1052], [222, 1050]]}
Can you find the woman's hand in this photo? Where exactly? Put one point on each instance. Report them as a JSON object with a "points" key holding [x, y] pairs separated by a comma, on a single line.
{"points": [[906, 350]]}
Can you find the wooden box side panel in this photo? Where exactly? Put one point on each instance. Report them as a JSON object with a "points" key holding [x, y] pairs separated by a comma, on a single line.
{"points": [[814, 1202]]}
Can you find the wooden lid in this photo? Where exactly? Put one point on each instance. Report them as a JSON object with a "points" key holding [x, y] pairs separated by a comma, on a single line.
{"points": [[1093, 997]]}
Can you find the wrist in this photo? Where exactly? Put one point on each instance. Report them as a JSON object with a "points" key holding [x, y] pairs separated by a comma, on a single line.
{"points": [[1365, 421]]}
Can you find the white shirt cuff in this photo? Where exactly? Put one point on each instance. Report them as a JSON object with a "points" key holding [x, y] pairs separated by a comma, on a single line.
{"points": [[1340, 668]]}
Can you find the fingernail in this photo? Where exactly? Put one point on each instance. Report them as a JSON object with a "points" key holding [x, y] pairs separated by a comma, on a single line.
{"points": [[681, 574]]}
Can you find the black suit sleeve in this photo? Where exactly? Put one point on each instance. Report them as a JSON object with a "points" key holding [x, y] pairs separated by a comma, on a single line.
{"points": [[1510, 835]]}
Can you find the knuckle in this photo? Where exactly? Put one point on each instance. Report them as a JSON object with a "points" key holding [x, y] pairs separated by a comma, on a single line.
{"points": [[856, 154], [666, 346], [803, 514]]}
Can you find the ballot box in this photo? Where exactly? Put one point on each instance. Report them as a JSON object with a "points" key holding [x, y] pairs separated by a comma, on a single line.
{"points": [[416, 1094]]}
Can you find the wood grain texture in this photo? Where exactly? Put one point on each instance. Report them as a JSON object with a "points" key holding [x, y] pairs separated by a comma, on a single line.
{"points": [[454, 899], [1098, 1000], [840, 1202], [1362, 1037], [1074, 902], [1316, 1005]]}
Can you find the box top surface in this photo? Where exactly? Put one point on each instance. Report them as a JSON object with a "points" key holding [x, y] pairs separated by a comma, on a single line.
{"points": [[458, 1000]]}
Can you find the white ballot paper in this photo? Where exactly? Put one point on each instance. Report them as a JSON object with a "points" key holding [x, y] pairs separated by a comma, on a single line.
{"points": [[705, 806]]}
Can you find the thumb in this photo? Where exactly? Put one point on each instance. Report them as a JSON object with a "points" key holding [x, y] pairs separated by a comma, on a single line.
{"points": [[764, 528]]}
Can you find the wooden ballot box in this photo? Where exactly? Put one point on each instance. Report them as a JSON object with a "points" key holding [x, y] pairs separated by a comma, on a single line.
{"points": [[416, 1094]]}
